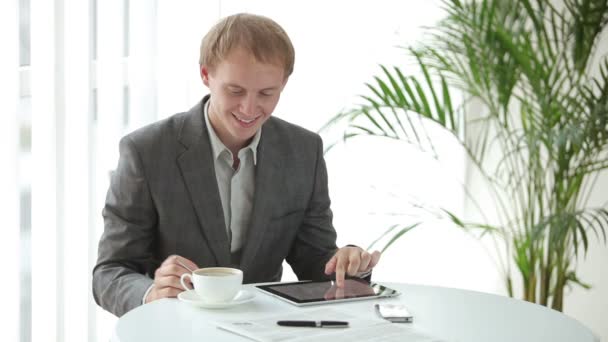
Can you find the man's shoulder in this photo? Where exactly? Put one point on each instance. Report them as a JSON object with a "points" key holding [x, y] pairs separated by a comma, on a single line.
{"points": [[184, 126], [162, 130], [159, 140], [289, 130]]}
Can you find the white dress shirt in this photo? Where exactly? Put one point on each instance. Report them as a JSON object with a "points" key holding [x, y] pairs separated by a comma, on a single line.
{"points": [[236, 187]]}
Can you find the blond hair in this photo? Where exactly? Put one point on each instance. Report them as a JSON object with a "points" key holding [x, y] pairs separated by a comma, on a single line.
{"points": [[259, 35]]}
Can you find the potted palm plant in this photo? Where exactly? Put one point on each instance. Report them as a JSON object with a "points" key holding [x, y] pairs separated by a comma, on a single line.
{"points": [[544, 117]]}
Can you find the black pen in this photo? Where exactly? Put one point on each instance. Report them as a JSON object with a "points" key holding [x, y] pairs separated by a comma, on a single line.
{"points": [[314, 324]]}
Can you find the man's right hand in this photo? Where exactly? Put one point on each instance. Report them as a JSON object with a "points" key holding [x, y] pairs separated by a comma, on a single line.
{"points": [[166, 278]]}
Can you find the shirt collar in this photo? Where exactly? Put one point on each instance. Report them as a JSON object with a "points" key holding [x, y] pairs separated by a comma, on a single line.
{"points": [[218, 146]]}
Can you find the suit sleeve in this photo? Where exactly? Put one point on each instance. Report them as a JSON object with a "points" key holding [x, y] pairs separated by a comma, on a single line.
{"points": [[126, 249], [315, 242]]}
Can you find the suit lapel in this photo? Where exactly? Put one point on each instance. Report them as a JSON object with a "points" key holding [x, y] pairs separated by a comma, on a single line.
{"points": [[197, 169], [268, 184]]}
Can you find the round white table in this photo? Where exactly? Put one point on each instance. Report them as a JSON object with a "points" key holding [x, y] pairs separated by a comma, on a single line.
{"points": [[448, 314]]}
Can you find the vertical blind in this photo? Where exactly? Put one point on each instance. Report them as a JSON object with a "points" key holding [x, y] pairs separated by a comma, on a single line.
{"points": [[94, 75], [9, 181], [46, 180]]}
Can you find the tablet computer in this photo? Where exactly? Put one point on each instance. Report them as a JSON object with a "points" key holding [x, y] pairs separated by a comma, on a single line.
{"points": [[303, 293]]}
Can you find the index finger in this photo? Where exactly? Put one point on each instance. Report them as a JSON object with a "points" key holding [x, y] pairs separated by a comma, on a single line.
{"points": [[181, 261], [375, 257], [340, 271]]}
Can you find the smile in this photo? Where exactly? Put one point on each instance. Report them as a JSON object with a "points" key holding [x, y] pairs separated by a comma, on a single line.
{"points": [[243, 120]]}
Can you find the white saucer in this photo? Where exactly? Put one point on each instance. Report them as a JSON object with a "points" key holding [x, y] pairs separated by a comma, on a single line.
{"points": [[191, 297]]}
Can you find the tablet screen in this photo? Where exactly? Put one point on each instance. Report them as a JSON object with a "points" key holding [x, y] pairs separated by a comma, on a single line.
{"points": [[326, 291]]}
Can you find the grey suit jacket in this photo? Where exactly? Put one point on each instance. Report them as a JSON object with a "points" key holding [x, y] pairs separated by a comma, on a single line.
{"points": [[163, 199]]}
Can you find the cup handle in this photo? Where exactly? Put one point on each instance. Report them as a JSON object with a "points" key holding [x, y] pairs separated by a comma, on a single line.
{"points": [[181, 280]]}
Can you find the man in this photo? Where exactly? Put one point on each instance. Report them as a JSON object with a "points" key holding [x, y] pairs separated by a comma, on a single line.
{"points": [[224, 184]]}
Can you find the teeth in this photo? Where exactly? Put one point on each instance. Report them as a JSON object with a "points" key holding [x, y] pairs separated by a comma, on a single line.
{"points": [[245, 121]]}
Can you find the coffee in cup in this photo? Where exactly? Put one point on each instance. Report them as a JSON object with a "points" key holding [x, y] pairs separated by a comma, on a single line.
{"points": [[215, 284]]}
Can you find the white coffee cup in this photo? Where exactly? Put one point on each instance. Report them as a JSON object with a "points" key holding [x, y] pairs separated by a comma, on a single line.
{"points": [[215, 284]]}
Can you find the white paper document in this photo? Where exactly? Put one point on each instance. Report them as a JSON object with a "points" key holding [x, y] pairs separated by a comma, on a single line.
{"points": [[265, 328]]}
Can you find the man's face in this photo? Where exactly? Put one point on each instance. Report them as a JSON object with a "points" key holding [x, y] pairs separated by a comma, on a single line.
{"points": [[244, 93]]}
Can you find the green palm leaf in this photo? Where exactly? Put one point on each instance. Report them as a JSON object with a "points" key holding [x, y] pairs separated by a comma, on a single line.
{"points": [[543, 120]]}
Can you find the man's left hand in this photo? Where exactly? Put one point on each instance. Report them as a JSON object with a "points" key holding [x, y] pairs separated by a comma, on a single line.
{"points": [[351, 260]]}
